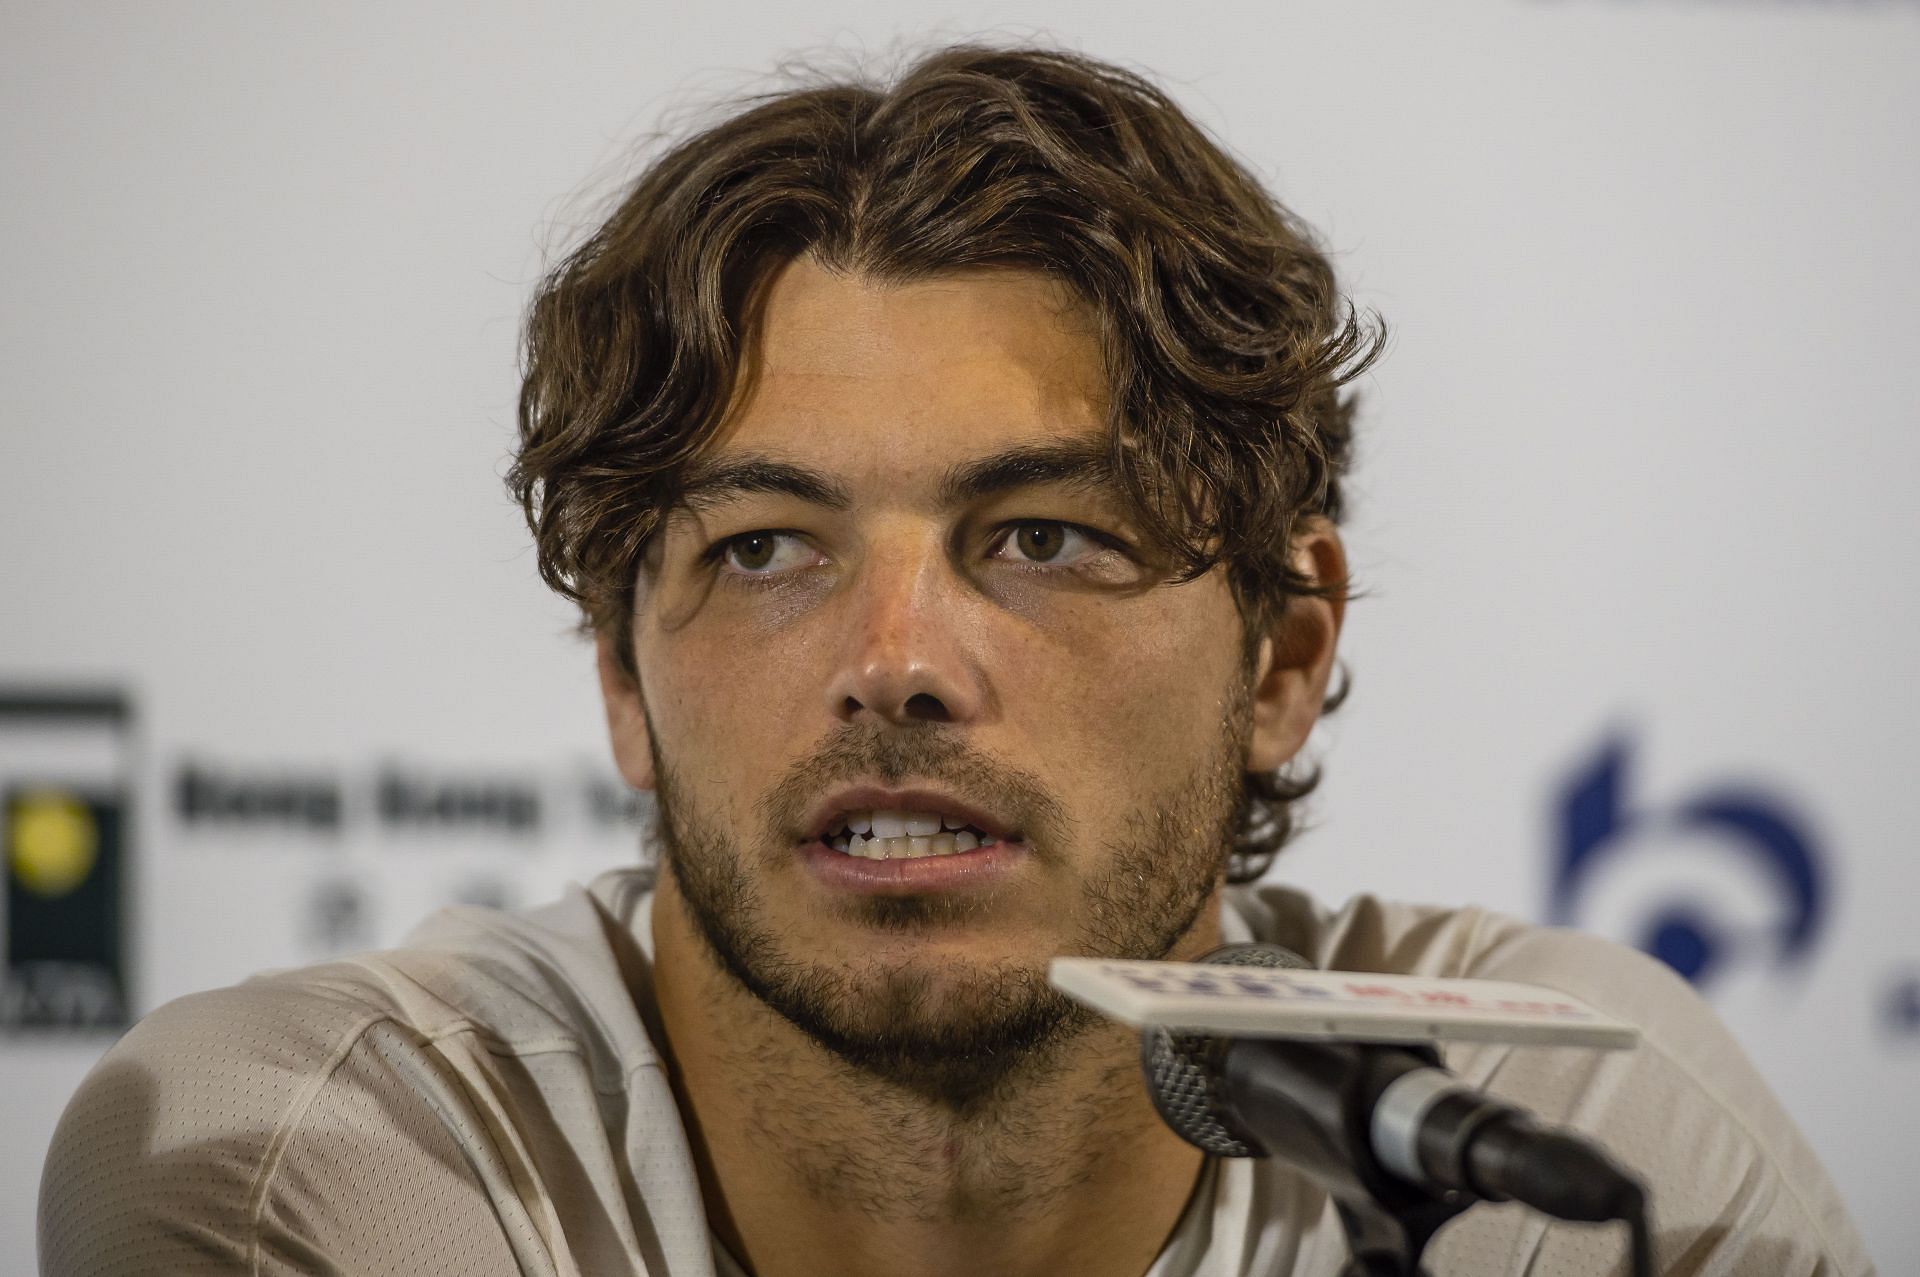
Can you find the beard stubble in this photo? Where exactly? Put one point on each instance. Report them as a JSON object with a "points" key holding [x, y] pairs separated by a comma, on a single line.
{"points": [[962, 1035]]}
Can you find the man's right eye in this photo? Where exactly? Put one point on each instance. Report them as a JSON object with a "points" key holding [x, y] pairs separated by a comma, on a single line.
{"points": [[763, 553]]}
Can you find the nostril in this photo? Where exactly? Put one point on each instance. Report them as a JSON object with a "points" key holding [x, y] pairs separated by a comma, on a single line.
{"points": [[925, 706], [921, 707]]}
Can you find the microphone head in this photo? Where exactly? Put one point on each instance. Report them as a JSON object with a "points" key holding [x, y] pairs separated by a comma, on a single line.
{"points": [[1183, 1069]]}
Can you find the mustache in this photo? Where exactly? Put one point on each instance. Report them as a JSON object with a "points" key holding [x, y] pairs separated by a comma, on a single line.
{"points": [[921, 755]]}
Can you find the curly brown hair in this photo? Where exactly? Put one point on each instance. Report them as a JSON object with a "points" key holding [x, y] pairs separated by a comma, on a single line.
{"points": [[1225, 339]]}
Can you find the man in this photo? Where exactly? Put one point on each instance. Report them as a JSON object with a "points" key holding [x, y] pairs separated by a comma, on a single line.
{"points": [[948, 474]]}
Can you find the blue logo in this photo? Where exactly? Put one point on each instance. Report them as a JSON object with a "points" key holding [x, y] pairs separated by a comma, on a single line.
{"points": [[1685, 925], [1900, 1008]]}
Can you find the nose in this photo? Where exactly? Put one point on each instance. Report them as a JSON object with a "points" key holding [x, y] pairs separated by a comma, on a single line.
{"points": [[907, 656]]}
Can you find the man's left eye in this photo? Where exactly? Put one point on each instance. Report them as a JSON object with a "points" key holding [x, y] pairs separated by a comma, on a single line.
{"points": [[1047, 542]]}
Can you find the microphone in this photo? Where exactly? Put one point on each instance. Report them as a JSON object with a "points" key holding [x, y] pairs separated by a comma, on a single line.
{"points": [[1379, 1123]]}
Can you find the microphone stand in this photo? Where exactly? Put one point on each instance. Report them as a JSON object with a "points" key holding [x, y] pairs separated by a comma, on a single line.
{"points": [[1388, 1243], [1313, 1104], [1388, 1222]]}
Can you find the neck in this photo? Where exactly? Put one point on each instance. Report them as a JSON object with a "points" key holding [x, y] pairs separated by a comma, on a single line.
{"points": [[810, 1166]]}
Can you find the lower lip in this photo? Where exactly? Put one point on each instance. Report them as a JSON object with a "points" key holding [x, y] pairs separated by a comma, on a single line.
{"points": [[973, 870]]}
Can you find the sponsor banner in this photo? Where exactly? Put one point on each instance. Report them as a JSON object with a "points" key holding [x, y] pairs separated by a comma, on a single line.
{"points": [[65, 800]]}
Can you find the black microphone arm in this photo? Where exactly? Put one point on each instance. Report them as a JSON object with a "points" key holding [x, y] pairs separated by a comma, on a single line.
{"points": [[1401, 1144]]}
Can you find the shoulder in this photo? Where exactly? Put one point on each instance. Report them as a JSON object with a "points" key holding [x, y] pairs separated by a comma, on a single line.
{"points": [[167, 1154], [1729, 1170], [318, 1102]]}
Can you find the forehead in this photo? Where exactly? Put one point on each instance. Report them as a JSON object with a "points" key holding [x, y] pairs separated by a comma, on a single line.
{"points": [[889, 378]]}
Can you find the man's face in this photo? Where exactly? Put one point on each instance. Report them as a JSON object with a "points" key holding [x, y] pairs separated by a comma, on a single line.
{"points": [[901, 590]]}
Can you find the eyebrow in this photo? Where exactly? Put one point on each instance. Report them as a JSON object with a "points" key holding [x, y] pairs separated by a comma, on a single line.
{"points": [[709, 483], [1079, 464], [1082, 464]]}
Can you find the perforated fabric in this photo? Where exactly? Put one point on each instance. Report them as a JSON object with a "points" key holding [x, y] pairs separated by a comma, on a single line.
{"points": [[483, 1101], [487, 1100]]}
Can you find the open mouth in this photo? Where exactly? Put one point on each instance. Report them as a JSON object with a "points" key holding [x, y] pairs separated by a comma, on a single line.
{"points": [[903, 835]]}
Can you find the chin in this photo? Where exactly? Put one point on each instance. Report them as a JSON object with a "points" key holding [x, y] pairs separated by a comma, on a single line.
{"points": [[949, 1029]]}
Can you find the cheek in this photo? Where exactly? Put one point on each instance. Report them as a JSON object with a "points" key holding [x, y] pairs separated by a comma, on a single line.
{"points": [[727, 715], [1133, 696], [1096, 696]]}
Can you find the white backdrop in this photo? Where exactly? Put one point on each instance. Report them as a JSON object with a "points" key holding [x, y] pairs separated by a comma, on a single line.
{"points": [[1634, 479]]}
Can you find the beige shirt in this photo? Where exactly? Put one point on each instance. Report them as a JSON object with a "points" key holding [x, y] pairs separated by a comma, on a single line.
{"points": [[488, 1100]]}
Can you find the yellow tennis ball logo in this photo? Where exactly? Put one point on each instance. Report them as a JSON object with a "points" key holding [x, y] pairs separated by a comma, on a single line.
{"points": [[54, 842]]}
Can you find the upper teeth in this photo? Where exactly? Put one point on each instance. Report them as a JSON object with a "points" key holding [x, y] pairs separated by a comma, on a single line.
{"points": [[894, 835]]}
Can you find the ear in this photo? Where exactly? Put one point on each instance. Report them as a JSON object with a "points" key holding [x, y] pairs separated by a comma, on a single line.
{"points": [[626, 717], [1295, 660]]}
